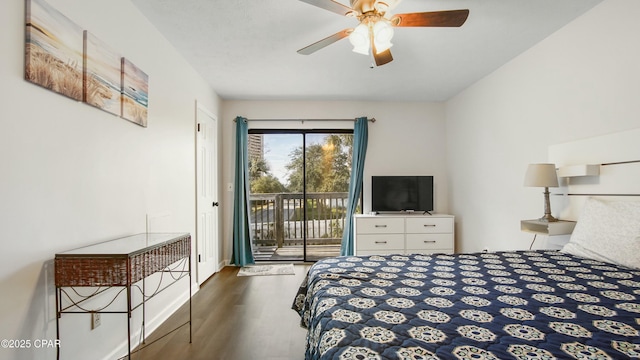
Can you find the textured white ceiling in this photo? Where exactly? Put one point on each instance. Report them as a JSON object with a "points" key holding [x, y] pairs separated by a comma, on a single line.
{"points": [[246, 49]]}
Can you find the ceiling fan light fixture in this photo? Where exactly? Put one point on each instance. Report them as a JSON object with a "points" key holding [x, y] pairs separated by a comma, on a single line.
{"points": [[359, 38], [352, 14], [382, 35], [374, 33], [381, 7]]}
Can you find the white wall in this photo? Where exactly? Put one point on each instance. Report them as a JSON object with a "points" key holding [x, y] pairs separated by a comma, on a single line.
{"points": [[407, 138], [73, 175], [580, 82]]}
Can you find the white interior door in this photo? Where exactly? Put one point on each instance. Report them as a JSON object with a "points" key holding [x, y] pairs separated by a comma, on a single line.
{"points": [[206, 194]]}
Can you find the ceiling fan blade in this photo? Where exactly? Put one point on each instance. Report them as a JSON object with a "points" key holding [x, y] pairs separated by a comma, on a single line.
{"points": [[449, 18], [325, 42], [332, 6], [383, 58]]}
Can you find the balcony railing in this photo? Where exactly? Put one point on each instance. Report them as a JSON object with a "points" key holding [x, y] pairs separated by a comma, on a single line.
{"points": [[279, 219]]}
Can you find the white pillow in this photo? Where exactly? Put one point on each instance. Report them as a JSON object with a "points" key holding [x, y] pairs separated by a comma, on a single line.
{"points": [[608, 231]]}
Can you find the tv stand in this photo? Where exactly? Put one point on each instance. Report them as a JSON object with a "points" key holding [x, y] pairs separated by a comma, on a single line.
{"points": [[403, 234]]}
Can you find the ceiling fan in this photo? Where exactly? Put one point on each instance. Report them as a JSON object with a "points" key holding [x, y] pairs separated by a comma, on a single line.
{"points": [[373, 34]]}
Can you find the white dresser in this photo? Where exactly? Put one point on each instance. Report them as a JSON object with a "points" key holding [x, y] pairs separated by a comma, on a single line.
{"points": [[403, 234]]}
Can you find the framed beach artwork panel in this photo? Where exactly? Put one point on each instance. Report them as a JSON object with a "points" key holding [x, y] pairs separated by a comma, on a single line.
{"points": [[62, 57], [135, 93], [53, 50], [102, 75]]}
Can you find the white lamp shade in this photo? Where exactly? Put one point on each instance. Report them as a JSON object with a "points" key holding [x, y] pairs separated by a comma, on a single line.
{"points": [[359, 38], [541, 175], [382, 35]]}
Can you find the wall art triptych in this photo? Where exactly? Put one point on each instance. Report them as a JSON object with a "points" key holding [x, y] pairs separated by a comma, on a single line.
{"points": [[64, 58]]}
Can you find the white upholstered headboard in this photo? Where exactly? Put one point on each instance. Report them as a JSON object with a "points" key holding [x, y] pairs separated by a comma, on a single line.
{"points": [[615, 156]]}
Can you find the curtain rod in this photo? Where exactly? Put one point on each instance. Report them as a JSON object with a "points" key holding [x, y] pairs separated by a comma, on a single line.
{"points": [[303, 120]]}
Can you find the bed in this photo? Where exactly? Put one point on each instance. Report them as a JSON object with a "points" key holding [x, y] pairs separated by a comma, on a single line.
{"points": [[579, 302], [504, 305]]}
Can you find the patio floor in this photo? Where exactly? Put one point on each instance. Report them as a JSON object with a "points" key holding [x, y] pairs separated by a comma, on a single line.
{"points": [[295, 253]]}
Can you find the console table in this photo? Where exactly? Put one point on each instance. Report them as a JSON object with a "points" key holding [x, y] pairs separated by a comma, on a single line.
{"points": [[121, 263]]}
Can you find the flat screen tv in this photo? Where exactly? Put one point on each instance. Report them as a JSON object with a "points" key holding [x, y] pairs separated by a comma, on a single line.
{"points": [[401, 193]]}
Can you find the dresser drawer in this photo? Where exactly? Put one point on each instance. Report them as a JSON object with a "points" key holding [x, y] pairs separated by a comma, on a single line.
{"points": [[430, 252], [381, 243], [429, 242], [381, 252], [379, 226], [427, 225]]}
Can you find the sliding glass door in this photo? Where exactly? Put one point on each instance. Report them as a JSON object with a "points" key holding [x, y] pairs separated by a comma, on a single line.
{"points": [[299, 184]]}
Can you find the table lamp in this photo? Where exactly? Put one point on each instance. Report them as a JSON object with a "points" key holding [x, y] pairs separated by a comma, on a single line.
{"points": [[543, 175]]}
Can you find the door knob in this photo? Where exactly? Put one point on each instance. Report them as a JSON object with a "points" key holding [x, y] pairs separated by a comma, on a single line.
{"points": [[215, 203]]}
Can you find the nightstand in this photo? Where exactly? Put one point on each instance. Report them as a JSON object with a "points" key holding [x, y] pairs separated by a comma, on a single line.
{"points": [[535, 226], [560, 227]]}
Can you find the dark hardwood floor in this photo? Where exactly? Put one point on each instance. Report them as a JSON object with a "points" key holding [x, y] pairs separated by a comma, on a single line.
{"points": [[235, 318]]}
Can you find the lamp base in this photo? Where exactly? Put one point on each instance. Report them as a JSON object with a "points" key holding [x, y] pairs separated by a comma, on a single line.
{"points": [[547, 208], [548, 218]]}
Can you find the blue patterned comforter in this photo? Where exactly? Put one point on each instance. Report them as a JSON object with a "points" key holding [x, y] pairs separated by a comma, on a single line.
{"points": [[506, 305]]}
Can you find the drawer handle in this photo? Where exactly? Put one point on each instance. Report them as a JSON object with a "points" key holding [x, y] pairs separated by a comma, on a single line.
{"points": [[429, 225], [381, 242], [381, 226], [429, 241]]}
